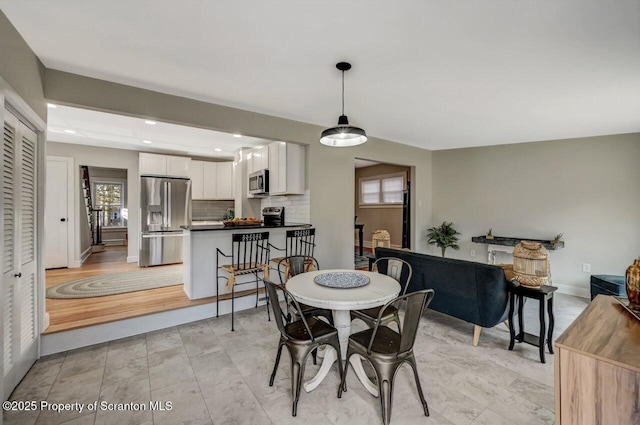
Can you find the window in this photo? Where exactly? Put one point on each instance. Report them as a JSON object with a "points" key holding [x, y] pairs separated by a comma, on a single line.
{"points": [[386, 190], [109, 197]]}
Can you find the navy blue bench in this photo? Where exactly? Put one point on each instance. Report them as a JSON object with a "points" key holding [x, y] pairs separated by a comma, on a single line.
{"points": [[607, 284]]}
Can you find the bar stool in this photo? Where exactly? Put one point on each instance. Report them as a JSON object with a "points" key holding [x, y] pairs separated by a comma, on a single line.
{"points": [[297, 242], [249, 255]]}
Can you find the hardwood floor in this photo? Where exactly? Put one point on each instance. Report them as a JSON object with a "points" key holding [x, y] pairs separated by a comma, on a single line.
{"points": [[68, 314]]}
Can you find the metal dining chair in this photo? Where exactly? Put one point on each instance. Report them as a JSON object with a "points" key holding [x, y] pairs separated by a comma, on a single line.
{"points": [[297, 264], [401, 271], [249, 255], [387, 350], [301, 337]]}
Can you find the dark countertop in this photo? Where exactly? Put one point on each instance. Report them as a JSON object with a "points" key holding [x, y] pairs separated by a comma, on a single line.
{"points": [[197, 228]]}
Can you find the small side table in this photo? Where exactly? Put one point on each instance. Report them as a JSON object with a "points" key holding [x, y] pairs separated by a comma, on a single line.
{"points": [[542, 294]]}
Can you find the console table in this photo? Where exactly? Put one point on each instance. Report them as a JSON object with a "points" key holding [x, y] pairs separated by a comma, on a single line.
{"points": [[597, 367], [506, 244]]}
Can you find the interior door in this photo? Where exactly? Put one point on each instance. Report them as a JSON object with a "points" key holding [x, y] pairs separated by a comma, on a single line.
{"points": [[56, 216], [19, 261]]}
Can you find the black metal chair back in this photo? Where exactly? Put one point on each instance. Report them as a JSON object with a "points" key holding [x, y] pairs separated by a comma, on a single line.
{"points": [[249, 249], [300, 242], [396, 268]]}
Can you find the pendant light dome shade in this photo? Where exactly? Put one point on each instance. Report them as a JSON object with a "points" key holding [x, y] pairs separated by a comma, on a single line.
{"points": [[343, 135]]}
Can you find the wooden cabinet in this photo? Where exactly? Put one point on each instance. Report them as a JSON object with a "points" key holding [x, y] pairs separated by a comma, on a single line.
{"points": [[151, 164], [211, 180], [597, 367], [286, 168]]}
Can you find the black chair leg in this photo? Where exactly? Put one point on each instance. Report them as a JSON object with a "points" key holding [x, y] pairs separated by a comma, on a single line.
{"points": [[217, 294], [257, 290], [412, 362], [233, 293], [343, 384], [275, 367]]}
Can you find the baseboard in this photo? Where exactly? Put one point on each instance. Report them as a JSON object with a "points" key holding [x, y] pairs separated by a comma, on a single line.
{"points": [[573, 290], [74, 264], [132, 259], [368, 244]]}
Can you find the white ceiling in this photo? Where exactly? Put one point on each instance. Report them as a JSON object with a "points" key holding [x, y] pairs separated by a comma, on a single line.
{"points": [[118, 131], [437, 74]]}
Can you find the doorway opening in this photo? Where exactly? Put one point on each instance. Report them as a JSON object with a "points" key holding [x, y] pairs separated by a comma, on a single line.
{"points": [[382, 207]]}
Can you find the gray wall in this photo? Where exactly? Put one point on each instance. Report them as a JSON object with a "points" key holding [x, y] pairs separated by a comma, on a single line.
{"points": [[330, 174], [106, 158], [587, 188], [21, 68]]}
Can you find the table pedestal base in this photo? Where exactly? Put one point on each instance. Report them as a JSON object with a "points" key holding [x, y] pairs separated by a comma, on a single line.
{"points": [[342, 322]]}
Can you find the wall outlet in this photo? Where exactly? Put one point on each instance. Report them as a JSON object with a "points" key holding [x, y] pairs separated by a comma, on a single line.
{"points": [[472, 252], [586, 267]]}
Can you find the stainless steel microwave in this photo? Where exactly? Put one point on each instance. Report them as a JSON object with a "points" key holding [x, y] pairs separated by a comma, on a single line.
{"points": [[259, 182]]}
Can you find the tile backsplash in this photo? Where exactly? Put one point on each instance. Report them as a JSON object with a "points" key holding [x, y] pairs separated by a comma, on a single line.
{"points": [[296, 207], [210, 210]]}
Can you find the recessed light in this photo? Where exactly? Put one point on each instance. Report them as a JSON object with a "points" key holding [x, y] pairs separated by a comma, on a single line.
{"points": [[51, 105], [218, 150], [70, 131], [147, 142], [259, 147], [237, 135], [150, 122]]}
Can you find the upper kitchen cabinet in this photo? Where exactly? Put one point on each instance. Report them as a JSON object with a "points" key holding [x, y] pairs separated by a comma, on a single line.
{"points": [[259, 160], [211, 180], [152, 164], [286, 168]]}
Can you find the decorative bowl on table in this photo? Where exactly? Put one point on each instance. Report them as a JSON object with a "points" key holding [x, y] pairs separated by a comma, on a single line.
{"points": [[343, 280]]}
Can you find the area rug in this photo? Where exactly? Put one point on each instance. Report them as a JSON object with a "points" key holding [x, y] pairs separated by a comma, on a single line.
{"points": [[117, 283], [362, 260]]}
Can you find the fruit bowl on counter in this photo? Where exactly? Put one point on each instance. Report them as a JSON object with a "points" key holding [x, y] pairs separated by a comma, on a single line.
{"points": [[237, 222]]}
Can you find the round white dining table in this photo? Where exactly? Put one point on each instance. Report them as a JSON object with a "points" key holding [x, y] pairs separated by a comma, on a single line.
{"points": [[380, 289]]}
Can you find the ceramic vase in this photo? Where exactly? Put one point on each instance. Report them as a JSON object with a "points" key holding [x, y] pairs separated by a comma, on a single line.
{"points": [[632, 280]]}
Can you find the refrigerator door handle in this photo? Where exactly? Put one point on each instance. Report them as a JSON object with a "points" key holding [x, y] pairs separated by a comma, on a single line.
{"points": [[164, 205], [169, 204]]}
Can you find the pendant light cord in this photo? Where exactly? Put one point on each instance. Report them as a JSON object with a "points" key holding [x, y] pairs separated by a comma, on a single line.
{"points": [[342, 92]]}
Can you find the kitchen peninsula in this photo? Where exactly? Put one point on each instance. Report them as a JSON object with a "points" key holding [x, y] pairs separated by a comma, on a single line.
{"points": [[200, 243]]}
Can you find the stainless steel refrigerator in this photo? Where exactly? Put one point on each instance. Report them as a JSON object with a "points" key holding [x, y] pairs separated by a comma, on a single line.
{"points": [[165, 205]]}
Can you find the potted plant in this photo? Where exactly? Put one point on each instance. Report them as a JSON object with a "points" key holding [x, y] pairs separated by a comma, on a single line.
{"points": [[444, 236], [490, 234], [558, 238]]}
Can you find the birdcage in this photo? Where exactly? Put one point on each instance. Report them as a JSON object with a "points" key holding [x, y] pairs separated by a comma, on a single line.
{"points": [[531, 264]]}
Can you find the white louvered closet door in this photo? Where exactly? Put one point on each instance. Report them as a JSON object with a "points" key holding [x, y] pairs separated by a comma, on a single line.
{"points": [[19, 309]]}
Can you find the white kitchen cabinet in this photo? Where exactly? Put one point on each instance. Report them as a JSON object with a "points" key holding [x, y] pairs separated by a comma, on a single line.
{"points": [[178, 166], [224, 180], [286, 168], [197, 181], [211, 180], [210, 184], [151, 164], [259, 159]]}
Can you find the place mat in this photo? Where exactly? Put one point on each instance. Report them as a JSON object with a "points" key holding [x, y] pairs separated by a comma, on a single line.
{"points": [[342, 280], [625, 303]]}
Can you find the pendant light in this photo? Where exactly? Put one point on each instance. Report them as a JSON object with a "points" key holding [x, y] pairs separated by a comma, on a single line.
{"points": [[343, 135]]}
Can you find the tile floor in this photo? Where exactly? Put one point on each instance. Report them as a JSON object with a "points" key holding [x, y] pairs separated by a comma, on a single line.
{"points": [[213, 376]]}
